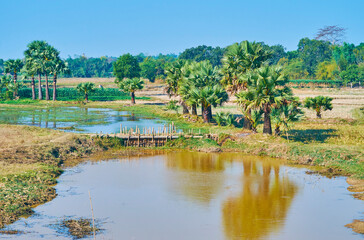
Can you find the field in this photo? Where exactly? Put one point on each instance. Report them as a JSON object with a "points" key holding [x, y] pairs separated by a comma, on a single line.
{"points": [[31, 156]]}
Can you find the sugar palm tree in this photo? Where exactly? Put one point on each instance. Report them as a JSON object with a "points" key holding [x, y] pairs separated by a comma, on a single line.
{"points": [[209, 97], [57, 66], [13, 67], [34, 54], [174, 75], [131, 86], [86, 88], [267, 89], [30, 70], [319, 104]]}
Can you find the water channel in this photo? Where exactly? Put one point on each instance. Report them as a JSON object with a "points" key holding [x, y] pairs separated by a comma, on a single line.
{"points": [[190, 195]]}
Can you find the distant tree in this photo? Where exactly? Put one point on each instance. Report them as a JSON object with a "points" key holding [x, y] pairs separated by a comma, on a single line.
{"points": [[319, 104], [353, 74], [1, 66], [327, 70], [202, 53], [312, 52], [148, 69], [344, 55], [86, 88], [131, 86], [333, 34], [126, 66], [13, 67]]}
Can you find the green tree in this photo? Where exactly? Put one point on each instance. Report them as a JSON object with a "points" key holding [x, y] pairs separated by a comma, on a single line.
{"points": [[86, 88], [312, 52], [56, 67], [35, 56], [13, 67], [319, 104], [327, 70], [131, 86], [203, 53], [267, 88], [148, 69], [126, 66]]}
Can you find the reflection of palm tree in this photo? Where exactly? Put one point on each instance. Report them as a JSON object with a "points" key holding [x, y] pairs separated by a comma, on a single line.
{"points": [[262, 205], [198, 176]]}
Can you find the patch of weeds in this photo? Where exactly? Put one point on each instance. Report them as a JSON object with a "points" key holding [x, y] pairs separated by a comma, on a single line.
{"points": [[79, 228]]}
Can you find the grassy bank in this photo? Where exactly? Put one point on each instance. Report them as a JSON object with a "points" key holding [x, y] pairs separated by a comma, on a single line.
{"points": [[30, 163], [335, 144]]}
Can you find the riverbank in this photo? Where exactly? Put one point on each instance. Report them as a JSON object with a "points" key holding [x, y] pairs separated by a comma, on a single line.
{"points": [[31, 159]]}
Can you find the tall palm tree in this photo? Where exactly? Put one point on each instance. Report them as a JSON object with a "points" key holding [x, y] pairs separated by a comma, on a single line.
{"points": [[86, 88], [267, 89], [34, 53], [13, 67], [209, 97], [30, 71], [131, 86], [57, 66]]}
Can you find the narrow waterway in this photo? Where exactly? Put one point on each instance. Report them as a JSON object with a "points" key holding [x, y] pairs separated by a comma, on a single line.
{"points": [[77, 119], [185, 195]]}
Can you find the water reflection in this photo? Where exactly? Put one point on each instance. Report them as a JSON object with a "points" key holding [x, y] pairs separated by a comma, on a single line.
{"points": [[76, 119], [197, 176], [262, 205]]}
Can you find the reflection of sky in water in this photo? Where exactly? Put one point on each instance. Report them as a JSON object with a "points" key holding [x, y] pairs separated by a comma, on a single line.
{"points": [[89, 120], [188, 195]]}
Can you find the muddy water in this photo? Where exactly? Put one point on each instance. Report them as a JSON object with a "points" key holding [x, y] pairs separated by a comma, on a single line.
{"points": [[76, 119], [187, 195]]}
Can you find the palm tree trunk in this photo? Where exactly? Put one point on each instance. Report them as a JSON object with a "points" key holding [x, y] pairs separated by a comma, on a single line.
{"points": [[132, 95], [205, 114], [54, 87], [318, 113], [86, 97], [194, 109], [15, 78], [185, 108], [33, 88], [277, 131], [267, 128], [40, 97], [247, 124], [47, 87], [209, 113]]}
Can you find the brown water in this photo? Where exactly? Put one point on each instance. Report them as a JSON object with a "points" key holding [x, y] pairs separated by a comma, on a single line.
{"points": [[187, 195]]}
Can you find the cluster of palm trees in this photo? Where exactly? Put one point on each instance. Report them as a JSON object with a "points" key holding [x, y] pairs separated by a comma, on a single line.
{"points": [[197, 83], [259, 88], [41, 59]]}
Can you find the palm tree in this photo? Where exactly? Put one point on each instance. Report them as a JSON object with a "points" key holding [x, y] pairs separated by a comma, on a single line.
{"points": [[131, 86], [57, 66], [286, 113], [239, 59], [86, 88], [319, 104], [34, 55], [209, 97], [267, 89], [13, 67], [30, 71]]}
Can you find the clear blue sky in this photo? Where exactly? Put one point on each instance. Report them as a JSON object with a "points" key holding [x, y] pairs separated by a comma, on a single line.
{"points": [[114, 27]]}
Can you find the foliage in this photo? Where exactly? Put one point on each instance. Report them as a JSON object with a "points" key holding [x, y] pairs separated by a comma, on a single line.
{"points": [[131, 86], [319, 104], [224, 119], [148, 69], [203, 53], [327, 70], [353, 74], [84, 67], [126, 66], [172, 105], [86, 88]]}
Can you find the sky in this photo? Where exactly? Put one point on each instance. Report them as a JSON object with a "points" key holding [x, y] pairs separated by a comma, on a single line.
{"points": [[114, 27]]}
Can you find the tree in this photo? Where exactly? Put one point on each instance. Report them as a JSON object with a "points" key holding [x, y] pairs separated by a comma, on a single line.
{"points": [[13, 67], [267, 88], [327, 70], [86, 88], [34, 55], [312, 52], [131, 86], [174, 74], [148, 69], [30, 70], [286, 113], [126, 66], [333, 34], [353, 74], [203, 53], [319, 104], [57, 66]]}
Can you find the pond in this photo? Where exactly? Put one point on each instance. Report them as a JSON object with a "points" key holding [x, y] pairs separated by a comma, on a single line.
{"points": [[77, 119], [189, 195]]}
